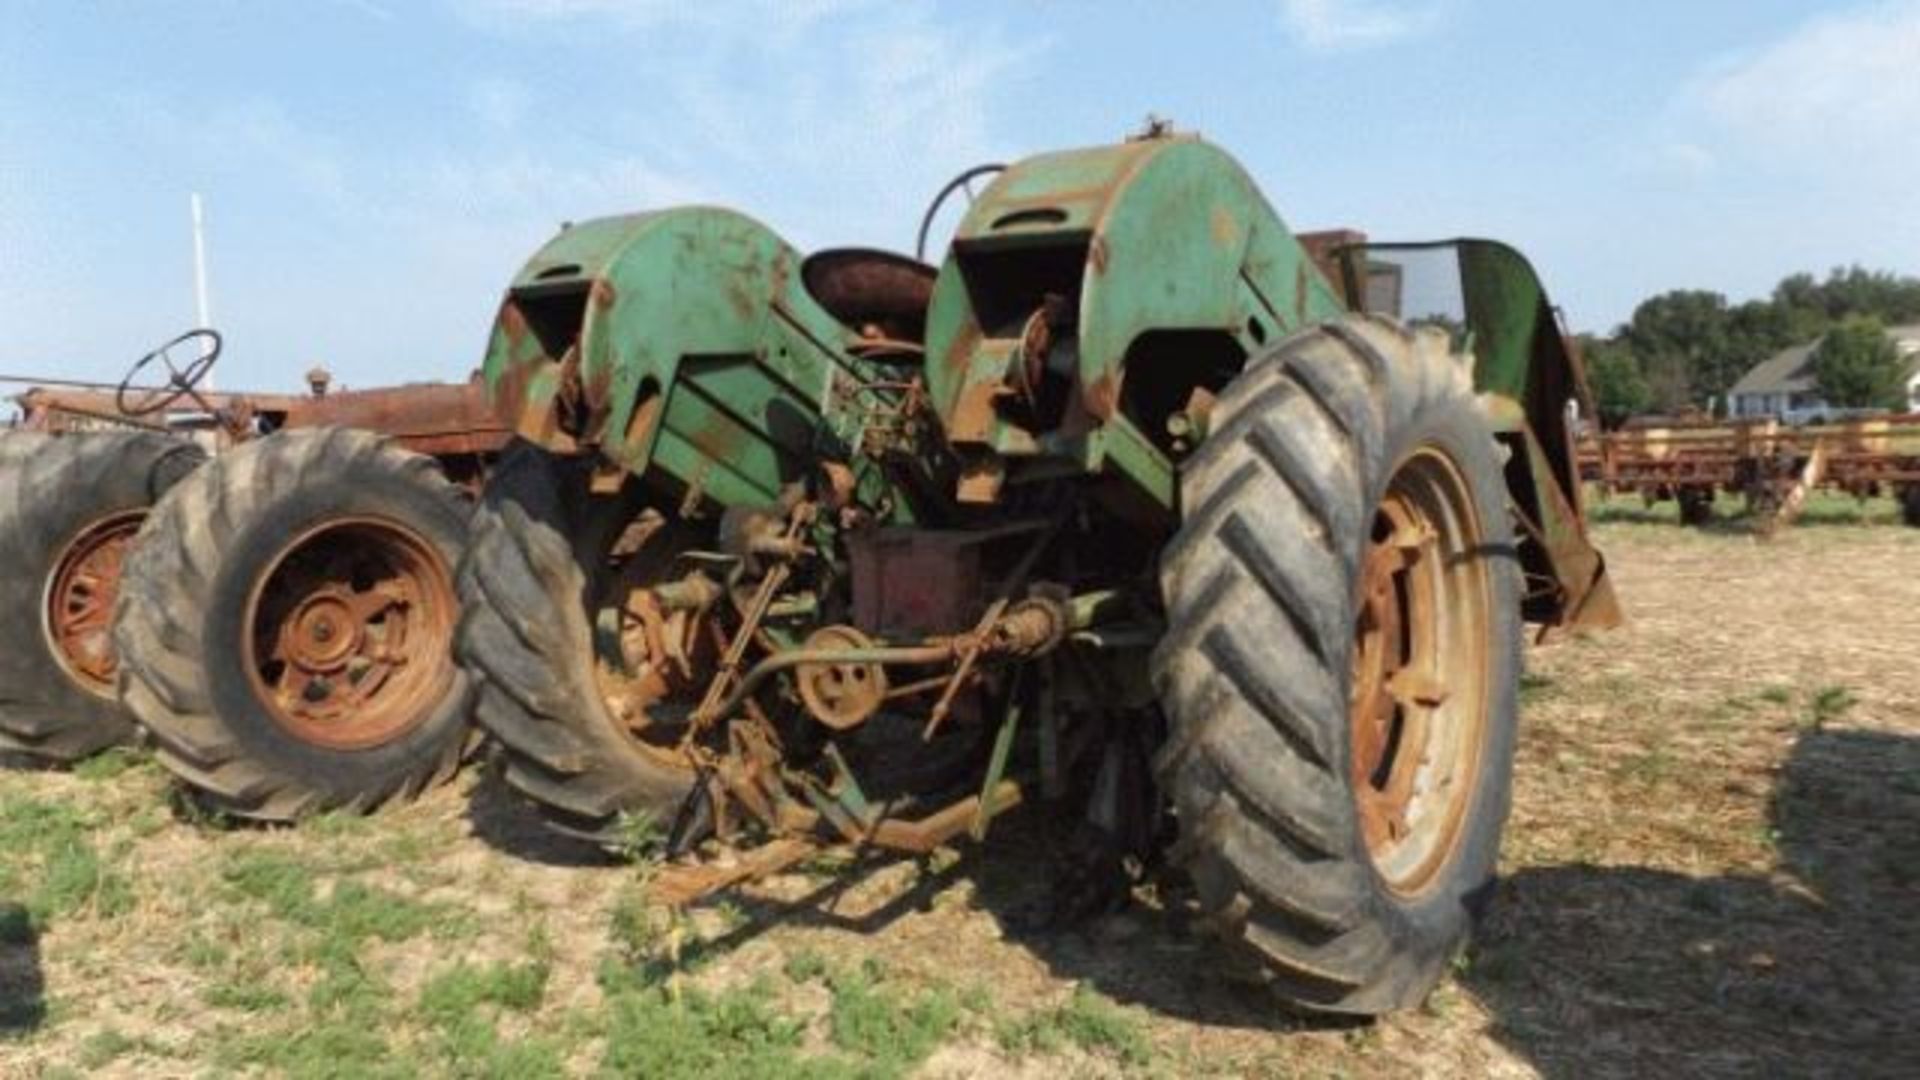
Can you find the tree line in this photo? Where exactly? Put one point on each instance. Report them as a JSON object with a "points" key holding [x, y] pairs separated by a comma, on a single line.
{"points": [[1684, 349]]}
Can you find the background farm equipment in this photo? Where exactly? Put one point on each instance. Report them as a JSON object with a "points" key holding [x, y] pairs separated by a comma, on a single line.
{"points": [[1128, 505], [263, 581], [1774, 466]]}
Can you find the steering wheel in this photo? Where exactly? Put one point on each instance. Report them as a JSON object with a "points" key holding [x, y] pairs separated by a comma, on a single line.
{"points": [[180, 380], [933, 209]]}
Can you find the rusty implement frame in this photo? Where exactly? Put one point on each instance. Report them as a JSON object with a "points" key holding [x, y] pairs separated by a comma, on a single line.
{"points": [[1774, 465]]}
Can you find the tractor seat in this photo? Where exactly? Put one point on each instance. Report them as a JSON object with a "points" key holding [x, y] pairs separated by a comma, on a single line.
{"points": [[878, 294]]}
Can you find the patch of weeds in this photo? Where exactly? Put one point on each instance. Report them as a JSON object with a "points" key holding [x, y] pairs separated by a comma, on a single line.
{"points": [[474, 1049], [1088, 1021], [49, 861], [805, 966], [1535, 688], [112, 763], [244, 995], [636, 837], [736, 1033], [345, 987], [465, 988], [103, 1048], [885, 1024], [351, 911], [335, 825], [460, 1005], [655, 944], [1775, 695], [312, 1051], [1829, 703]]}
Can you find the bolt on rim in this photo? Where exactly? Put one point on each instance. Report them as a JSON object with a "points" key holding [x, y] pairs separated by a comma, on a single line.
{"points": [[77, 614], [1418, 706], [350, 633]]}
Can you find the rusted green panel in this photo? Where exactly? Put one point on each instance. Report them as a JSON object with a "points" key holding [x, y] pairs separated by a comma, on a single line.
{"points": [[686, 330], [1162, 234]]}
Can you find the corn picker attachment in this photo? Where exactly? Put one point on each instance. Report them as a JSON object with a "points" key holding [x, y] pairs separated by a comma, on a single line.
{"points": [[277, 614], [1133, 504]]}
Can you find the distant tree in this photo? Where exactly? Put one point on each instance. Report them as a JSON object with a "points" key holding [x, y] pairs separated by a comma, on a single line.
{"points": [[1619, 390], [1851, 290], [1857, 366], [1683, 334], [1690, 346]]}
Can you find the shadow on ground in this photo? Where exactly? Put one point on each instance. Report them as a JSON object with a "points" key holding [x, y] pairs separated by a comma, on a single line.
{"points": [[1815, 970], [23, 987], [507, 822]]}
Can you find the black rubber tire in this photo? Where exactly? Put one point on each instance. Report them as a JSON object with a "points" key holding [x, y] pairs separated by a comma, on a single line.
{"points": [[1910, 505], [52, 487], [1255, 670], [185, 593], [526, 640], [1696, 505]]}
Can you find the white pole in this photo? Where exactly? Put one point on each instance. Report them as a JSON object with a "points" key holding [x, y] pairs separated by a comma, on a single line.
{"points": [[202, 311]]}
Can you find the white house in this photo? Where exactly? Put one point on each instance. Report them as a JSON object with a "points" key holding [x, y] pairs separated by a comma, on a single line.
{"points": [[1782, 385]]}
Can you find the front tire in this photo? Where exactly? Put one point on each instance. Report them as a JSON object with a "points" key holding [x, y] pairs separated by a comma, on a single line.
{"points": [[1341, 665], [285, 626], [70, 507]]}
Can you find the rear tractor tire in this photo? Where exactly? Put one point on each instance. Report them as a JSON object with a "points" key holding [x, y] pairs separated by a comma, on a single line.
{"points": [[1340, 667], [70, 507], [285, 626], [1910, 505], [540, 588]]}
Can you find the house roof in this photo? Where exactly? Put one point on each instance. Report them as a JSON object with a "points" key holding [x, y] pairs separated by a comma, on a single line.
{"points": [[1790, 371]]}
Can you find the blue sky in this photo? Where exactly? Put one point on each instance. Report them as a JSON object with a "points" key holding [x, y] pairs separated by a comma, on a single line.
{"points": [[375, 170]]}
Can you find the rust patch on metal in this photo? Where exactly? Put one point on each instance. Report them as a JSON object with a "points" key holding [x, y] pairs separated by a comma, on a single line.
{"points": [[349, 632], [1102, 395], [80, 598], [1222, 225], [866, 288], [601, 293], [1419, 691]]}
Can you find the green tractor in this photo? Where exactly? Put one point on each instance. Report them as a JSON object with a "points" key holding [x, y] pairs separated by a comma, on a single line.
{"points": [[1135, 508]]}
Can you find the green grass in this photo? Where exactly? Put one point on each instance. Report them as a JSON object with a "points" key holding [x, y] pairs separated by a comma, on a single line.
{"points": [[52, 866], [737, 1033], [1822, 508], [890, 1027], [1829, 703], [347, 914], [1087, 1021]]}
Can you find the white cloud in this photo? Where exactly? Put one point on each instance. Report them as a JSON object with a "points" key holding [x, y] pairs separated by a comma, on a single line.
{"points": [[1842, 90], [756, 16], [1332, 25]]}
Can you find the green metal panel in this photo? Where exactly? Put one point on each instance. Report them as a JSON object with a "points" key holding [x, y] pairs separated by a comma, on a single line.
{"points": [[695, 344], [1168, 234]]}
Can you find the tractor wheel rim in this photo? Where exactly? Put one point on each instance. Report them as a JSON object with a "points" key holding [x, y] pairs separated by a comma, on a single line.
{"points": [[651, 664], [349, 632], [1418, 705], [77, 615]]}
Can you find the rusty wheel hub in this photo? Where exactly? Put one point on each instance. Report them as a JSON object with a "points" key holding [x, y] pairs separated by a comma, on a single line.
{"points": [[78, 615], [841, 695], [653, 658], [1417, 710], [350, 631]]}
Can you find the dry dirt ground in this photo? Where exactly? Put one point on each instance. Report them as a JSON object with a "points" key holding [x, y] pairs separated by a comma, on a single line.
{"points": [[1713, 868]]}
